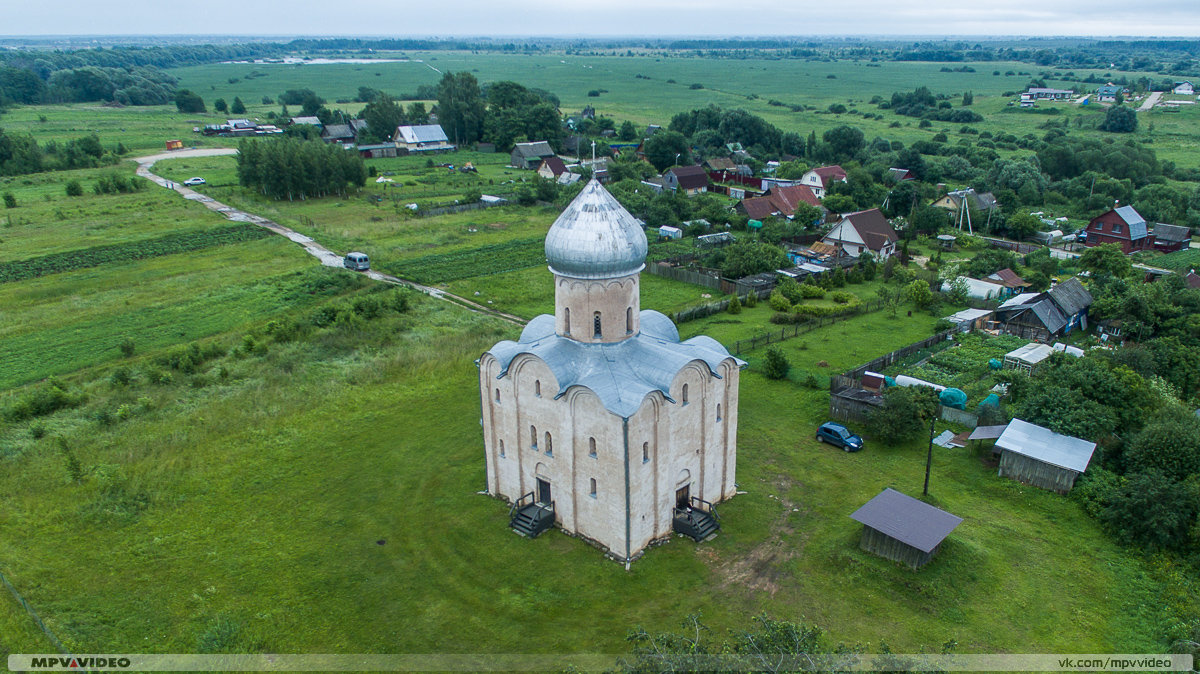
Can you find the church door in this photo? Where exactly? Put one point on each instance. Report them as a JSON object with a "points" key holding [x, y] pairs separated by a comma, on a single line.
{"points": [[543, 491], [683, 497]]}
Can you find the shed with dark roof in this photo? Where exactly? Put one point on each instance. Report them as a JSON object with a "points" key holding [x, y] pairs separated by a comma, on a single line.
{"points": [[903, 529], [1170, 238], [690, 179]]}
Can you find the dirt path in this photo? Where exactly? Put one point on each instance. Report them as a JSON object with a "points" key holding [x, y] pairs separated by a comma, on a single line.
{"points": [[1150, 101], [326, 256]]}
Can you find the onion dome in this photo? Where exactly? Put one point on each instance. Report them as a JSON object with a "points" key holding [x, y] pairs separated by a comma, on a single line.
{"points": [[595, 237]]}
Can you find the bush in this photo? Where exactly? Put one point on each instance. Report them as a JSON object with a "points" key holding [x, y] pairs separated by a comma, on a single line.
{"points": [[778, 302], [811, 292], [904, 414], [1152, 511], [74, 189], [43, 400], [842, 297], [9, 200], [752, 300], [776, 365], [127, 347], [735, 305]]}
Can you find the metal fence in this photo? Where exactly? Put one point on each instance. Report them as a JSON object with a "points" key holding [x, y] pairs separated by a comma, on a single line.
{"points": [[33, 614]]}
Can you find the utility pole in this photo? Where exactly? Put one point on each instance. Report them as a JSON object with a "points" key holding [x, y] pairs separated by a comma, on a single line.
{"points": [[929, 456]]}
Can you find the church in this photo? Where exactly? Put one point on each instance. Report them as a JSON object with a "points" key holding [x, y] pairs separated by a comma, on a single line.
{"points": [[599, 420]]}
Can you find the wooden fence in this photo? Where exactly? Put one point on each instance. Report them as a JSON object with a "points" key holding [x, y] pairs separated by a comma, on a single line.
{"points": [[851, 378], [686, 275], [1019, 248]]}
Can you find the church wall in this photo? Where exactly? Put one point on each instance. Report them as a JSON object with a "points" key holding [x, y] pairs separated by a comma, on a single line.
{"points": [[617, 300], [650, 509], [600, 517]]}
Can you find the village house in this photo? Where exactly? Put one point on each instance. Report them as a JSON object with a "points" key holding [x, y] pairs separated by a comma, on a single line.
{"points": [[821, 178], [778, 201], [1184, 89], [529, 156], [1009, 279], [1042, 316], [337, 133], [598, 419], [897, 175], [903, 529], [1123, 226], [1040, 457], [1048, 94], [691, 179], [1170, 238], [422, 138], [717, 164], [1108, 93], [551, 168], [864, 231]]}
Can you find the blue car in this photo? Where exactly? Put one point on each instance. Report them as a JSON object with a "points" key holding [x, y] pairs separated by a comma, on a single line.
{"points": [[839, 435]]}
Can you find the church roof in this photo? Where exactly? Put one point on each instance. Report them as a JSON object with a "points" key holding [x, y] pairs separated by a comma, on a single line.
{"points": [[621, 373], [595, 237]]}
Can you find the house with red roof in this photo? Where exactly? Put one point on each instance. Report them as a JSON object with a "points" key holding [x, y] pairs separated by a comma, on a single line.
{"points": [[1123, 226], [861, 231], [780, 201], [821, 178], [551, 168]]}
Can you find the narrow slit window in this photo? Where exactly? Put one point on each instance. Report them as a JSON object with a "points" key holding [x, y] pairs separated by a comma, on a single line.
{"points": [[497, 395], [537, 387], [592, 447], [567, 318], [592, 484], [685, 394], [718, 411], [645, 452], [501, 449], [596, 325], [549, 444], [533, 437], [628, 320]]}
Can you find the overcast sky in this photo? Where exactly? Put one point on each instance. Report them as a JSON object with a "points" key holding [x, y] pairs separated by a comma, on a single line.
{"points": [[611, 17]]}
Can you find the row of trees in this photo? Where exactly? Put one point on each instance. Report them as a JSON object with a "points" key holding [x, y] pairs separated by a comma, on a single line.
{"points": [[144, 85], [21, 154], [290, 168]]}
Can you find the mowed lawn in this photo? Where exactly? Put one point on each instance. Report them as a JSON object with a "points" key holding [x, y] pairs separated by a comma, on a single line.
{"points": [[330, 504]]}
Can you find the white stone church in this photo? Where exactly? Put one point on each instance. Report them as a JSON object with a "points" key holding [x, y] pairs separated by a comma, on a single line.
{"points": [[599, 420]]}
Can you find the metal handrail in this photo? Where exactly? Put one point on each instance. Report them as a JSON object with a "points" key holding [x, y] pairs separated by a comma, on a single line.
{"points": [[709, 507], [517, 504]]}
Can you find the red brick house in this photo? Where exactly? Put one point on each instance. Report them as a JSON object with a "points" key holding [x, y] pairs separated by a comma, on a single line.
{"points": [[1122, 226]]}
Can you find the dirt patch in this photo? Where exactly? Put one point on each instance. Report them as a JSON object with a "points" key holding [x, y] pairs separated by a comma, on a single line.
{"points": [[496, 225], [762, 567]]}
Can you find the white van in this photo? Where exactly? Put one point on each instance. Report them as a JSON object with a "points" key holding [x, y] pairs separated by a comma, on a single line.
{"points": [[357, 262]]}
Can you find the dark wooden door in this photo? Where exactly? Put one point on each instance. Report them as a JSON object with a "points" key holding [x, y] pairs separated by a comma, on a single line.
{"points": [[683, 496], [543, 491]]}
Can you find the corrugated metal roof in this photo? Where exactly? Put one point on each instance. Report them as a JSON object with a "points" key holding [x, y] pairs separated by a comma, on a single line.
{"points": [[424, 133], [1019, 300], [987, 432], [1050, 315], [1165, 232], [1137, 224], [968, 315], [907, 520], [1043, 444], [621, 373], [537, 149], [1032, 353]]}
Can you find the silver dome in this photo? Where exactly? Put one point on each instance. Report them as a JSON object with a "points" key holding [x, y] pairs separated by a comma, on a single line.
{"points": [[595, 237]]}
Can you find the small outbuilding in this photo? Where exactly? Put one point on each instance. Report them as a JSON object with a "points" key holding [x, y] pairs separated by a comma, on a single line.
{"points": [[903, 529], [1040, 457], [1028, 357]]}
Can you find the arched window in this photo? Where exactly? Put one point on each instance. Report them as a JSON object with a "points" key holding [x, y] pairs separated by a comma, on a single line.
{"points": [[685, 394], [533, 437], [596, 325], [592, 484], [549, 444], [497, 395], [501, 449], [645, 452], [567, 317], [592, 447], [537, 387], [718, 411], [629, 320]]}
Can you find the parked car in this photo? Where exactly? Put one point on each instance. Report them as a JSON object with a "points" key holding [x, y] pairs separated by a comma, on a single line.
{"points": [[192, 182], [357, 262], [839, 435]]}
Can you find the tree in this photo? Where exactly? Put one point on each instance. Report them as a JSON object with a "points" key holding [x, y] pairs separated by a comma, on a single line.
{"points": [[891, 296], [746, 258], [968, 99], [927, 219], [220, 105], [667, 148], [628, 131], [1023, 225], [238, 107], [1119, 119], [1107, 258], [383, 115], [1169, 443], [919, 292], [844, 141], [775, 364], [461, 109], [1151, 510], [735, 305], [905, 413], [186, 101]]}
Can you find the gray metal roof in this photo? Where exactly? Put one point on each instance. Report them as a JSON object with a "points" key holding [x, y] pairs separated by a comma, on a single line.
{"points": [[1070, 296], [907, 520], [1137, 224], [424, 133], [1050, 315], [595, 237], [531, 150], [1032, 353], [987, 432], [1165, 232], [1043, 444], [621, 373]]}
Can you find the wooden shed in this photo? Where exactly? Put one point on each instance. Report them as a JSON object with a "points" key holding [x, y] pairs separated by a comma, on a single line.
{"points": [[903, 529], [1040, 457]]}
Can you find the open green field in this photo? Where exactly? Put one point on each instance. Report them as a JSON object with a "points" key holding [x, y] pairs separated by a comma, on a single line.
{"points": [[748, 83], [323, 500]]}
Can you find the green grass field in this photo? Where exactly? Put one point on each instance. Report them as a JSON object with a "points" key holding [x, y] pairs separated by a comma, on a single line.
{"points": [[263, 501]]}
